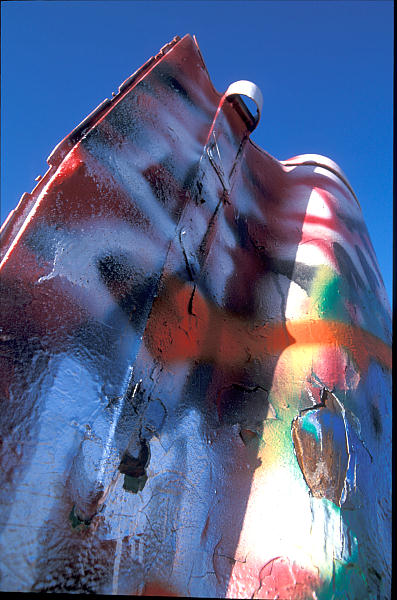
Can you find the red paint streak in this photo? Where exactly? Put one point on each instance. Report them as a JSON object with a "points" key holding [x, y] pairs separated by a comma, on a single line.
{"points": [[158, 589], [213, 335], [44, 309], [85, 189], [331, 367], [279, 578]]}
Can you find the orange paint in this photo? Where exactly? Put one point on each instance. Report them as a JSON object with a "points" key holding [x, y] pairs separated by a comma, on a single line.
{"points": [[213, 335], [360, 343]]}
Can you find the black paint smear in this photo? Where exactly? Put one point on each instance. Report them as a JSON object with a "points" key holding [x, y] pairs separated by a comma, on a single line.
{"points": [[376, 420], [242, 233], [43, 241], [347, 267], [133, 290], [134, 469], [372, 280], [245, 405]]}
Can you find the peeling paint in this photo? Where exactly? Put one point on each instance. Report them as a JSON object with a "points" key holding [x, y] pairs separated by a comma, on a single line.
{"points": [[322, 447]]}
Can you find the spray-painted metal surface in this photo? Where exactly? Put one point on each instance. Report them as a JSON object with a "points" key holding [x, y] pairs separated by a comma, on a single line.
{"points": [[195, 360]]}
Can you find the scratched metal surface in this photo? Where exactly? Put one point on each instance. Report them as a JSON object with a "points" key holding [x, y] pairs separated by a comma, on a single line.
{"points": [[195, 361]]}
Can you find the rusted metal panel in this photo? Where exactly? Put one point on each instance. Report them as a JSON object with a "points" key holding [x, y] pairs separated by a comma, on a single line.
{"points": [[195, 360]]}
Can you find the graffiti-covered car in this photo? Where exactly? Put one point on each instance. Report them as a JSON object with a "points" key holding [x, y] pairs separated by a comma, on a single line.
{"points": [[195, 360]]}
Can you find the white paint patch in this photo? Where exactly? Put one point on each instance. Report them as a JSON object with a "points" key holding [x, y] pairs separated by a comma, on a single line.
{"points": [[77, 253], [220, 267], [311, 254], [304, 529], [317, 207], [296, 299]]}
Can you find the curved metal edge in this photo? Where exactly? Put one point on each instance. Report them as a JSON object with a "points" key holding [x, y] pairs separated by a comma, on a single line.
{"points": [[250, 90], [318, 160]]}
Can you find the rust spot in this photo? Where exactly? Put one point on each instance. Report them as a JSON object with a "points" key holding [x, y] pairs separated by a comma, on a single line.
{"points": [[247, 435], [204, 533], [158, 589], [321, 446], [134, 469]]}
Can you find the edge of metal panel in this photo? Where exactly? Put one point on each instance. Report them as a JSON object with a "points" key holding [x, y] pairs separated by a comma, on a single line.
{"points": [[60, 151], [318, 160]]}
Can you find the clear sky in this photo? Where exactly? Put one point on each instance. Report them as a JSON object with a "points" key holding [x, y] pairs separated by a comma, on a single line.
{"points": [[325, 69]]}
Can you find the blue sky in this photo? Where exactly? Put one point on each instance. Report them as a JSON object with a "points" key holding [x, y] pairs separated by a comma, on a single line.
{"points": [[325, 69]]}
